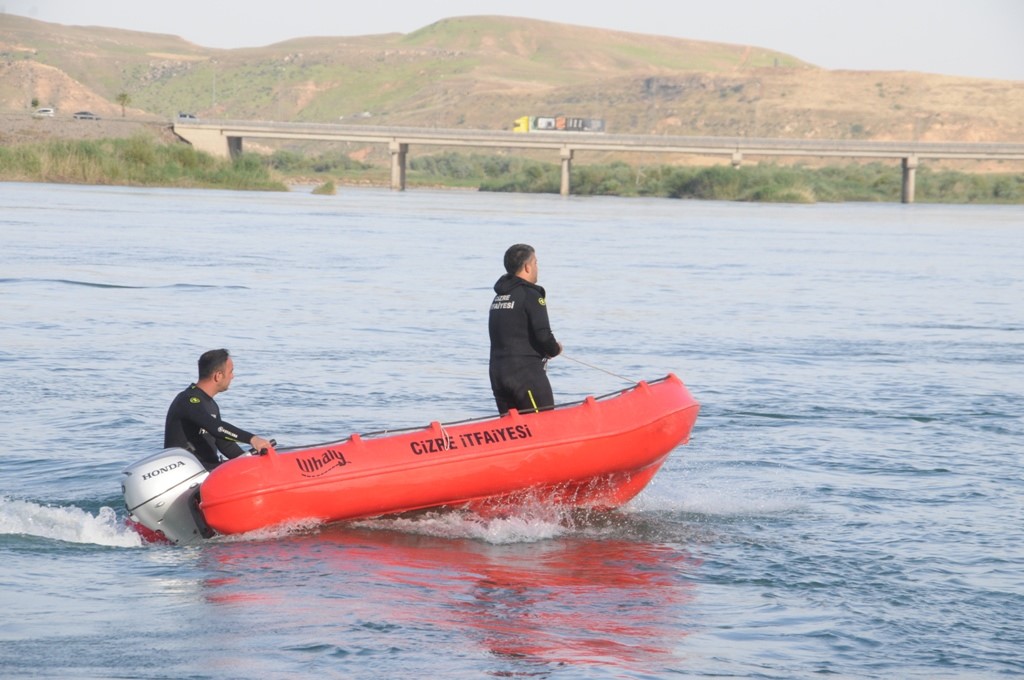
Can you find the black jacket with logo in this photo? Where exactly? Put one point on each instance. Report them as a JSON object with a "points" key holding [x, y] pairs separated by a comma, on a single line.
{"points": [[518, 323], [193, 423]]}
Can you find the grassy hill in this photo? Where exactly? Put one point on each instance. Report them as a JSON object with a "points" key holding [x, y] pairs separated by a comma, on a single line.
{"points": [[482, 72]]}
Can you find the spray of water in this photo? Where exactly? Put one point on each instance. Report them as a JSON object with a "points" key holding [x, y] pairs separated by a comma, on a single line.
{"points": [[65, 523]]}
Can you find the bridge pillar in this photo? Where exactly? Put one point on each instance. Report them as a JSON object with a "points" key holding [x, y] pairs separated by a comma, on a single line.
{"points": [[737, 159], [909, 170], [566, 170], [398, 153], [210, 141]]}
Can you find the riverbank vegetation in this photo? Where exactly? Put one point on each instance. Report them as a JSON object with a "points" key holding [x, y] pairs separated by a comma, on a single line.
{"points": [[137, 161], [881, 182], [764, 182], [143, 161]]}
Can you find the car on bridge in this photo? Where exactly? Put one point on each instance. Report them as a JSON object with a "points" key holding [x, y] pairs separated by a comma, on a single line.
{"points": [[43, 113], [85, 115], [187, 117]]}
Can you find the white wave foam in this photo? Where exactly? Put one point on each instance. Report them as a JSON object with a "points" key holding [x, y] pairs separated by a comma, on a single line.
{"points": [[519, 528], [274, 532], [65, 523]]}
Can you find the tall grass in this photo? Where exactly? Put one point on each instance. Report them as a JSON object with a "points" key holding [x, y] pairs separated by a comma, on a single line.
{"points": [[765, 183], [136, 161], [144, 161]]}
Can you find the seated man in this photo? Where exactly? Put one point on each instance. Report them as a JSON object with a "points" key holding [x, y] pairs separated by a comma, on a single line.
{"points": [[193, 419]]}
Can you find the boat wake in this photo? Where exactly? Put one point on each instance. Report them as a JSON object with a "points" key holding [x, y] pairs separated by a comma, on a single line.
{"points": [[649, 516], [65, 523], [523, 527]]}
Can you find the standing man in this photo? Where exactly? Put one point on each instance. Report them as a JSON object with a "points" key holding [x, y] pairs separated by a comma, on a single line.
{"points": [[521, 337], [193, 419]]}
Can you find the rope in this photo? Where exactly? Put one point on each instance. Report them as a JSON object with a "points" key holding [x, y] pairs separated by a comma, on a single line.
{"points": [[598, 368]]}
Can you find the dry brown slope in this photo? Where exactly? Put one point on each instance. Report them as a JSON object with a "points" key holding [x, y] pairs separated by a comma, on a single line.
{"points": [[481, 72]]}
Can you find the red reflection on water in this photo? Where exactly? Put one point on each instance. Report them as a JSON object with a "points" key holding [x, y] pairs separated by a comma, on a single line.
{"points": [[583, 601], [568, 600]]}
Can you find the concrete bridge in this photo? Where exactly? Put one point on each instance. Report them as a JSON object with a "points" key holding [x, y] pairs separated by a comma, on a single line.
{"points": [[224, 138]]}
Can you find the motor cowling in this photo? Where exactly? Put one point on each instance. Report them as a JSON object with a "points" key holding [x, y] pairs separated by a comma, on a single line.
{"points": [[161, 492]]}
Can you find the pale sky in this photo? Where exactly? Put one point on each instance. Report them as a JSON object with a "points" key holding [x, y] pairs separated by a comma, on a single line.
{"points": [[980, 38]]}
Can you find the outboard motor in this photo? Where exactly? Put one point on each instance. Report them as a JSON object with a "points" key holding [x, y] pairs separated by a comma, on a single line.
{"points": [[161, 493]]}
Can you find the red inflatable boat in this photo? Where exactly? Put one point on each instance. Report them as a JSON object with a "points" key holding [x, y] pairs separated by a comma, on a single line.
{"points": [[597, 453]]}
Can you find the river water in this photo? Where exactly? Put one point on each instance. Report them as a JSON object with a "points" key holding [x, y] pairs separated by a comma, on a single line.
{"points": [[850, 503]]}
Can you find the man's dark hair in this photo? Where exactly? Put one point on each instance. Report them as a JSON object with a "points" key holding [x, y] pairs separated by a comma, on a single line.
{"points": [[212, 361], [516, 256]]}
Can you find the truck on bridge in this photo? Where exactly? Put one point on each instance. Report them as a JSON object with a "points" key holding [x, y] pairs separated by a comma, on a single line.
{"points": [[557, 124]]}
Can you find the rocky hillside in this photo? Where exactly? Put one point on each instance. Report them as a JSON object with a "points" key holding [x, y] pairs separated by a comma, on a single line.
{"points": [[482, 72]]}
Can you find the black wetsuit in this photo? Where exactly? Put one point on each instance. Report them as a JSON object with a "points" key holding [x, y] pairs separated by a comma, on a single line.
{"points": [[521, 341], [193, 423]]}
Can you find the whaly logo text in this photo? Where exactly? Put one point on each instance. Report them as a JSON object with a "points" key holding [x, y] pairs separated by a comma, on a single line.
{"points": [[314, 466]]}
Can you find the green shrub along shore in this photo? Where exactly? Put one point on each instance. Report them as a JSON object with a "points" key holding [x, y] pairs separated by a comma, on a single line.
{"points": [[144, 161], [138, 161]]}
